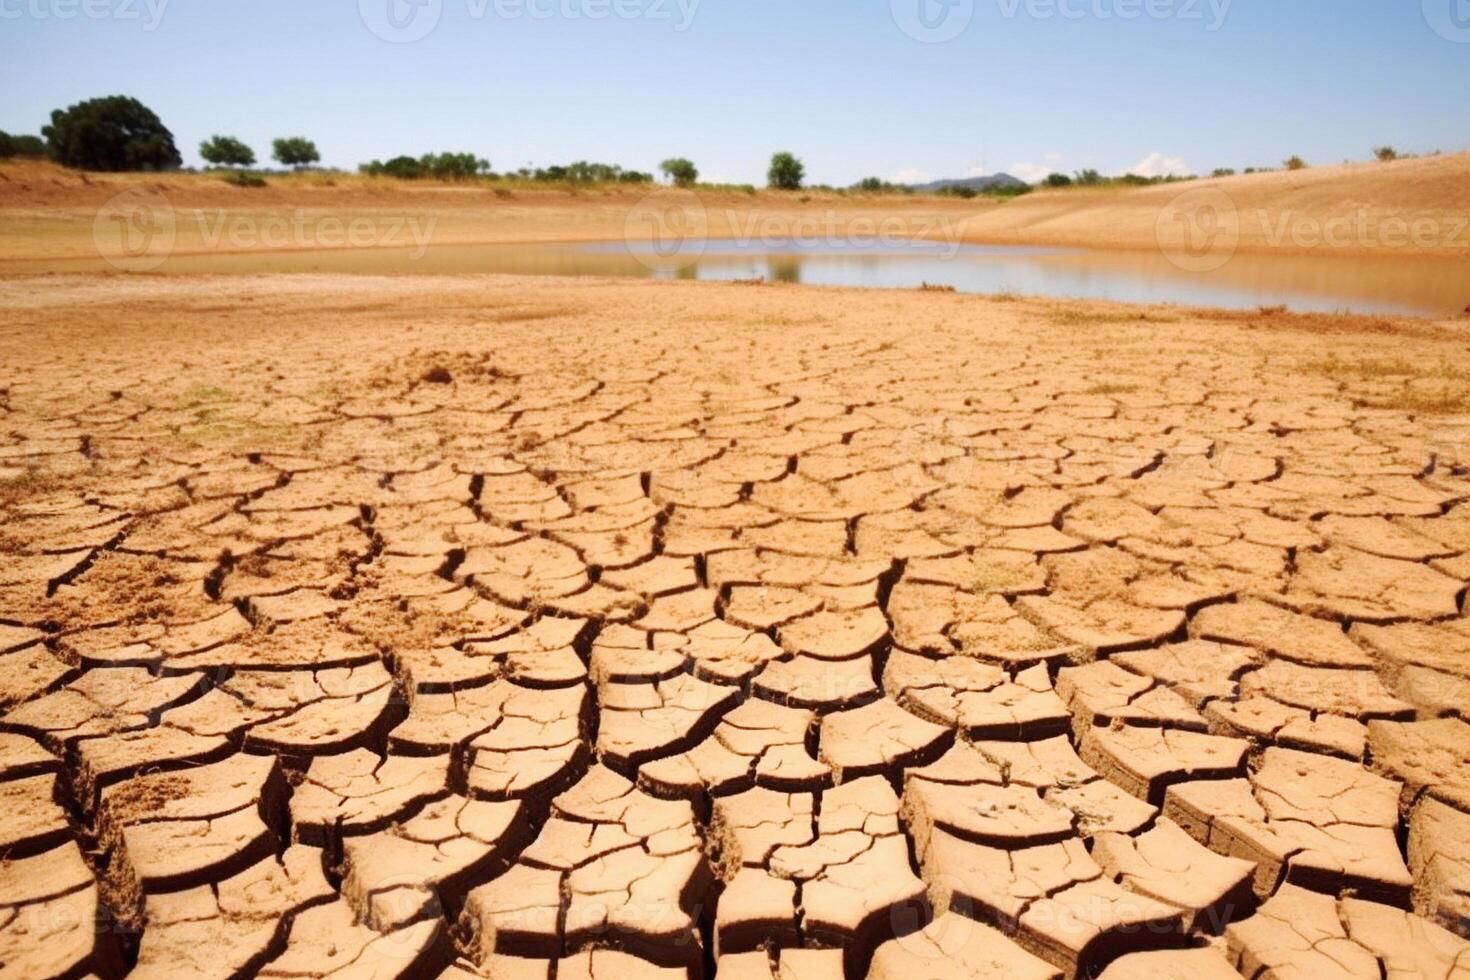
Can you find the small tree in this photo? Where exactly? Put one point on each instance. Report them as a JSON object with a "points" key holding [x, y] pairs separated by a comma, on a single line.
{"points": [[21, 146], [1089, 178], [681, 171], [1385, 154], [226, 151], [296, 152], [786, 173], [1296, 163], [111, 134], [1223, 172], [1058, 180]]}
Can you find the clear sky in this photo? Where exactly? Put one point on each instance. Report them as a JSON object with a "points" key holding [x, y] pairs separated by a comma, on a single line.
{"points": [[854, 87]]}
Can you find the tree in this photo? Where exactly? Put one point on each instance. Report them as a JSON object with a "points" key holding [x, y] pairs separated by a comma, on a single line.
{"points": [[1296, 163], [681, 171], [1385, 154], [1223, 172], [111, 134], [226, 151], [21, 146], [1088, 178], [1058, 180], [296, 151], [454, 166], [786, 173]]}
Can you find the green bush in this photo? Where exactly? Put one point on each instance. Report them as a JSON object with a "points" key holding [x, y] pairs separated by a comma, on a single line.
{"points": [[786, 173], [681, 171], [1088, 178], [226, 151], [240, 178], [296, 151], [21, 146], [1223, 172], [1058, 180], [1296, 163], [111, 134], [1385, 154]]}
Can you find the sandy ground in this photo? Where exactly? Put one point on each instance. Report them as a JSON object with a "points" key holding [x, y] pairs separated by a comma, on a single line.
{"points": [[1418, 207], [495, 627]]}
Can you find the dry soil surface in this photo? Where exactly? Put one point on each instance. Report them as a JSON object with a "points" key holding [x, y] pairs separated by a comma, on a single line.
{"points": [[550, 628]]}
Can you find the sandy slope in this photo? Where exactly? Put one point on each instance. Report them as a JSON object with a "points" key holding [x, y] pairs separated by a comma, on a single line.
{"points": [[1411, 207]]}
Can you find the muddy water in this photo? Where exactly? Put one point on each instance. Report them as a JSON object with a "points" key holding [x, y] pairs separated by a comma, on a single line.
{"points": [[1410, 285]]}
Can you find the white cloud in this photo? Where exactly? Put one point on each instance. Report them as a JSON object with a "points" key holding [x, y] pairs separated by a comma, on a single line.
{"points": [[910, 175], [1033, 172], [1159, 165]]}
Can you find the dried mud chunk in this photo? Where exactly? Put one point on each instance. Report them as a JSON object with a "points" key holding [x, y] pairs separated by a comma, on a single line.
{"points": [[599, 964], [1315, 642], [751, 825], [937, 619], [1352, 693], [1430, 756], [317, 713], [836, 635], [757, 743], [329, 941], [879, 738], [102, 702], [52, 923], [1197, 670], [34, 818], [640, 722], [953, 947], [1298, 934], [1439, 854], [1171, 964], [1146, 761], [761, 608], [1102, 693], [1270, 721], [985, 571], [1380, 537], [21, 757], [1407, 945], [981, 700], [221, 931], [360, 792], [1104, 625], [1349, 584], [1009, 816], [611, 863], [756, 908], [1167, 864], [175, 830], [727, 654], [104, 761], [30, 671], [528, 755], [440, 723], [1053, 767], [1087, 924], [855, 875], [821, 685], [397, 876]]}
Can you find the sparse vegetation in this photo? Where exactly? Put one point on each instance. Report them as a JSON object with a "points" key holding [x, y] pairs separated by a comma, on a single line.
{"points": [[240, 178], [115, 133], [1058, 180], [296, 152], [1385, 154], [226, 151], [1223, 172], [682, 172], [1295, 163], [21, 146], [786, 173], [931, 287], [440, 166]]}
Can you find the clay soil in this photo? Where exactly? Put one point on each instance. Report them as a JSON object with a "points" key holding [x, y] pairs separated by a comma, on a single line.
{"points": [[502, 627]]}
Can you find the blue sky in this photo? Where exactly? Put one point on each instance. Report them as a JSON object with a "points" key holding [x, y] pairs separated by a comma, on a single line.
{"points": [[1023, 85]]}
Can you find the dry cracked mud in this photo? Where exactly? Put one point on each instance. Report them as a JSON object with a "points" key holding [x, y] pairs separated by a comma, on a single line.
{"points": [[537, 628]]}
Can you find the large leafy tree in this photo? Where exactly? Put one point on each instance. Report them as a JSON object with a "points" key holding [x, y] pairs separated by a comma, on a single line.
{"points": [[112, 133], [226, 151], [786, 172], [296, 151]]}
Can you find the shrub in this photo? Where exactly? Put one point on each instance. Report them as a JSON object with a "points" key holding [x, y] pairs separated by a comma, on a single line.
{"points": [[453, 166], [786, 173], [1088, 178], [296, 151], [111, 134], [681, 171], [1058, 180], [240, 178], [957, 190], [21, 146], [1223, 172], [226, 151], [1296, 163], [1385, 154]]}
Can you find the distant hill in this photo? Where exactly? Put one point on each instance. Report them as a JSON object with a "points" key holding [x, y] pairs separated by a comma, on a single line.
{"points": [[978, 184]]}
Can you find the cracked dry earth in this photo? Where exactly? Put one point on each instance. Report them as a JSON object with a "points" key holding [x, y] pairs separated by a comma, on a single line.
{"points": [[536, 628]]}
